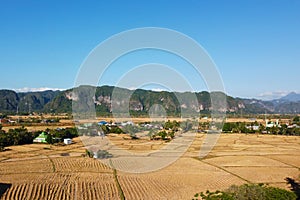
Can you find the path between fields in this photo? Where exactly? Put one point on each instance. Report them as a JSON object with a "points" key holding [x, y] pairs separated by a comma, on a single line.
{"points": [[221, 168]]}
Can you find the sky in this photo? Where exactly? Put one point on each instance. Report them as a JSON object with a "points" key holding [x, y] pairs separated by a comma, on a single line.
{"points": [[254, 44]]}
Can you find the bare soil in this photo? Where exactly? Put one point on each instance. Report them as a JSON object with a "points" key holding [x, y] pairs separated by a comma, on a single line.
{"points": [[41, 171]]}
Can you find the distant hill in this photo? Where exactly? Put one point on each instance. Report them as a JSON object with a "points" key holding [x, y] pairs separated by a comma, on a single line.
{"points": [[140, 102], [11, 102], [293, 97]]}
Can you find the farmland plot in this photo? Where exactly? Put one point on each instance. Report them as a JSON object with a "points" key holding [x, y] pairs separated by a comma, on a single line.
{"points": [[64, 186], [59, 172]]}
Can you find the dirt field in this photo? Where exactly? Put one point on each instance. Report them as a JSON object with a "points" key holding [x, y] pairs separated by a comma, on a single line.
{"points": [[40, 171]]}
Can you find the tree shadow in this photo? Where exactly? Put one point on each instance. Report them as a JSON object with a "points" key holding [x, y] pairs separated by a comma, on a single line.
{"points": [[4, 187], [4, 149], [295, 187]]}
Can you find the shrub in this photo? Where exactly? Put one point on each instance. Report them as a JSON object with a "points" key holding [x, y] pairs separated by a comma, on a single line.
{"points": [[248, 192]]}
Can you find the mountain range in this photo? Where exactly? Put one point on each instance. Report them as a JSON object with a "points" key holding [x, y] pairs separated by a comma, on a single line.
{"points": [[141, 101], [292, 97]]}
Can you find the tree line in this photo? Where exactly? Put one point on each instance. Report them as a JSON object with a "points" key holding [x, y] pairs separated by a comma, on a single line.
{"points": [[19, 136], [282, 129], [248, 191]]}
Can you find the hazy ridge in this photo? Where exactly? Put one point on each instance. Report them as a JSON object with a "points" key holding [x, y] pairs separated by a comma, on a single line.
{"points": [[140, 102]]}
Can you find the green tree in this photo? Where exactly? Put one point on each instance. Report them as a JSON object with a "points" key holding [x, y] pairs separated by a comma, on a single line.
{"points": [[248, 192], [213, 196], [49, 139], [162, 134], [3, 140], [296, 120], [171, 134], [116, 129], [104, 129], [89, 153], [174, 125], [13, 137], [227, 127]]}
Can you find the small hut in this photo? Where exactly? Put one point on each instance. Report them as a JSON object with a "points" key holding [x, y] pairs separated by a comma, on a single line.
{"points": [[68, 141]]}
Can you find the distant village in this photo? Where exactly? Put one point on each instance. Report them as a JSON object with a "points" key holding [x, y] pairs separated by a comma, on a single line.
{"points": [[165, 130]]}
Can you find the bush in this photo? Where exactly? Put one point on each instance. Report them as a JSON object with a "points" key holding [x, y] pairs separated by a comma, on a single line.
{"points": [[218, 195], [49, 139], [172, 125], [248, 192], [89, 154], [162, 134], [279, 194], [115, 129]]}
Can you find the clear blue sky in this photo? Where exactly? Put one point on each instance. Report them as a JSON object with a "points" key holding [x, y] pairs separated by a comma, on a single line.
{"points": [[255, 44]]}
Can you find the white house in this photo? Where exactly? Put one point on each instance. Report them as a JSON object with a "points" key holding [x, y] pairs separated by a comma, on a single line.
{"points": [[68, 141], [270, 124], [254, 127]]}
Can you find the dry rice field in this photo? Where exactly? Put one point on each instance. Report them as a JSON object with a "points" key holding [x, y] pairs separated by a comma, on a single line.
{"points": [[40, 171]]}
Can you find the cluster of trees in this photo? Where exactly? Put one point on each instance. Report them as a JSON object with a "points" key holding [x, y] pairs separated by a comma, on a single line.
{"points": [[33, 120], [296, 120], [15, 136], [95, 130], [57, 135], [164, 135], [203, 126], [29, 121], [19, 136], [242, 127], [111, 129], [168, 132], [172, 125], [283, 130], [248, 191]]}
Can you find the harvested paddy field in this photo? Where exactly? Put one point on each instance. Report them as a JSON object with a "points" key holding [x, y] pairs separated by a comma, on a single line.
{"points": [[40, 171]]}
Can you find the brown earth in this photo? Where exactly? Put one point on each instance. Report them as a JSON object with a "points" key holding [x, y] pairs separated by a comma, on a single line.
{"points": [[41, 171]]}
